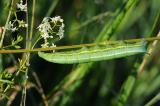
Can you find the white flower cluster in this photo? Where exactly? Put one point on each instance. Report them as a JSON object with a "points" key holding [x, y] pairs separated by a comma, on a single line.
{"points": [[44, 28], [51, 28], [22, 23], [21, 6]]}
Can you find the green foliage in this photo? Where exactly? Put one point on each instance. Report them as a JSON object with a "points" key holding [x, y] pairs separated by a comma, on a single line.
{"points": [[1, 63], [125, 91], [28, 79], [15, 42]]}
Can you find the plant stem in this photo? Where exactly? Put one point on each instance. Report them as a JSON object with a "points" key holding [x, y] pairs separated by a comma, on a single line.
{"points": [[152, 47], [28, 46], [80, 46], [110, 28], [32, 24], [52, 7], [25, 60], [154, 100], [39, 38], [7, 21], [102, 15], [6, 81]]}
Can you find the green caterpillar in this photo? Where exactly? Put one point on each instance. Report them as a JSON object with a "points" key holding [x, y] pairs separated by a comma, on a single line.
{"points": [[94, 54]]}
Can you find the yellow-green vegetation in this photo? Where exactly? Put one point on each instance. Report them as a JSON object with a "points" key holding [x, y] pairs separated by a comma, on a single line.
{"points": [[108, 52]]}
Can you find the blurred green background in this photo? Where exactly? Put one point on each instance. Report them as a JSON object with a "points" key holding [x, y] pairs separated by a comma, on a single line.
{"points": [[105, 83]]}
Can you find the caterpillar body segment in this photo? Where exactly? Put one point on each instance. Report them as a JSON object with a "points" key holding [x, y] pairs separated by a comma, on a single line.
{"points": [[94, 54]]}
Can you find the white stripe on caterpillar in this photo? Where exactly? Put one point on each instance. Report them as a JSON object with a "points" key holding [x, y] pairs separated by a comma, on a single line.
{"points": [[94, 53]]}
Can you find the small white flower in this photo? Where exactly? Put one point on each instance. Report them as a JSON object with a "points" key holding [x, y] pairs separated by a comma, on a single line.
{"points": [[14, 29], [26, 25], [57, 18], [44, 28], [22, 23], [61, 28], [21, 6], [61, 31], [11, 27], [53, 45], [51, 28]]}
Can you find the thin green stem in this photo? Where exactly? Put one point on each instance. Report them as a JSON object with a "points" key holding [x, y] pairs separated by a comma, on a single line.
{"points": [[7, 21], [27, 29], [52, 7], [32, 24], [105, 14], [39, 38], [4, 47], [6, 81], [110, 28], [80, 46], [26, 58], [153, 100]]}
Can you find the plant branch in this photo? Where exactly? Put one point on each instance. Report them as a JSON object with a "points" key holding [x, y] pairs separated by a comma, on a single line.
{"points": [[80, 46], [32, 24], [52, 7], [7, 21], [153, 100]]}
